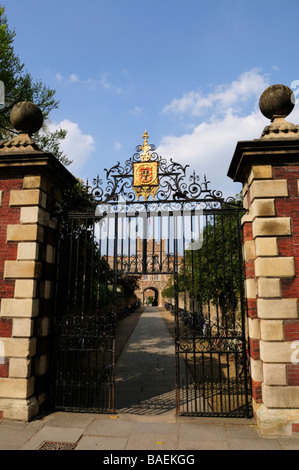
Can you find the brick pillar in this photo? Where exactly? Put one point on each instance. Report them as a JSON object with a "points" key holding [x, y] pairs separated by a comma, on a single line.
{"points": [[31, 184], [268, 168]]}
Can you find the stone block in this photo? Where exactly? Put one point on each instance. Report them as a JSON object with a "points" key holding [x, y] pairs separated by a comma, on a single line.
{"points": [[50, 254], [27, 197], [22, 327], [268, 188], [27, 308], [276, 351], [244, 189], [42, 326], [34, 182], [18, 409], [275, 267], [260, 172], [41, 364], [256, 370], [269, 287], [19, 367], [272, 330], [275, 422], [24, 233], [250, 288], [274, 374], [271, 226], [58, 195], [249, 249], [25, 288], [47, 289], [277, 308], [19, 347], [280, 397], [34, 215], [254, 328], [262, 208], [246, 218], [28, 251], [22, 270], [16, 387], [266, 246]]}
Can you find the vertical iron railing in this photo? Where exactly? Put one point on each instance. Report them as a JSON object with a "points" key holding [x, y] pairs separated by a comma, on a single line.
{"points": [[83, 356], [211, 329]]}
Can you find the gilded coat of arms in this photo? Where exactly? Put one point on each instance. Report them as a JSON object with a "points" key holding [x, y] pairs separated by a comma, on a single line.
{"points": [[146, 181]]}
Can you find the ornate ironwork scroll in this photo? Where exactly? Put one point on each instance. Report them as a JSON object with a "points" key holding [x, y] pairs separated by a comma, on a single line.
{"points": [[149, 176]]}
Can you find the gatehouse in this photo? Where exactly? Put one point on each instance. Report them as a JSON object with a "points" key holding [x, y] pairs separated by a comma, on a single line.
{"points": [[224, 268]]}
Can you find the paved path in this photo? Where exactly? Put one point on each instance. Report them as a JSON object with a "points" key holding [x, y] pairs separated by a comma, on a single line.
{"points": [[145, 371], [131, 432], [146, 418]]}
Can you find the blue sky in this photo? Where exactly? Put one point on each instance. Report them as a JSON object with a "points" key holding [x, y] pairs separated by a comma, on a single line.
{"points": [[190, 72]]}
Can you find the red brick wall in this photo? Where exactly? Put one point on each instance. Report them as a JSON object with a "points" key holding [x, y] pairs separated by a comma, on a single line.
{"points": [[289, 207], [8, 251], [256, 391], [293, 374], [254, 345], [4, 369], [5, 327], [291, 330], [295, 427]]}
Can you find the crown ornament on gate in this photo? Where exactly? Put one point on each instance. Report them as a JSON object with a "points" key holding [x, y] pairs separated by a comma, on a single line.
{"points": [[145, 156]]}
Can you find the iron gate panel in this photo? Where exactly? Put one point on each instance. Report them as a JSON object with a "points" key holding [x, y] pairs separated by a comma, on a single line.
{"points": [[84, 322], [210, 327], [183, 230]]}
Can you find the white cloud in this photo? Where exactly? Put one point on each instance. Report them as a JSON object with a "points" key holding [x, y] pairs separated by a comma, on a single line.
{"points": [[76, 145], [136, 111], [195, 103], [102, 82], [108, 85], [233, 116], [209, 142], [118, 146], [74, 78]]}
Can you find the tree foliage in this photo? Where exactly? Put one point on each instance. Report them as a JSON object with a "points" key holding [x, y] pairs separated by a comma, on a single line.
{"points": [[213, 273], [128, 284], [20, 86], [168, 292]]}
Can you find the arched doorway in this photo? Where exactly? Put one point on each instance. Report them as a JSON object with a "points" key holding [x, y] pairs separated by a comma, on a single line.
{"points": [[151, 296]]}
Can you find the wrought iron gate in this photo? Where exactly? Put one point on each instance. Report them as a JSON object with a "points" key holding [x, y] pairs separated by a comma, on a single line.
{"points": [[147, 219]]}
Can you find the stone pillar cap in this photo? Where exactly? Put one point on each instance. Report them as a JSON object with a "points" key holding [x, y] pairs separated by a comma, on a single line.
{"points": [[27, 118], [277, 102]]}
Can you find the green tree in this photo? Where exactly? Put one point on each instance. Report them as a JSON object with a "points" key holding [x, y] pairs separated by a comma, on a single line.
{"points": [[128, 284], [213, 273], [168, 291], [20, 86]]}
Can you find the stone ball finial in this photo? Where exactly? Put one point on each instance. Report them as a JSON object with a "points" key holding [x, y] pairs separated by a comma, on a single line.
{"points": [[26, 117], [277, 100]]}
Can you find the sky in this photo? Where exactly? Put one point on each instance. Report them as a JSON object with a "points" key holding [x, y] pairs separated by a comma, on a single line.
{"points": [[190, 72]]}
